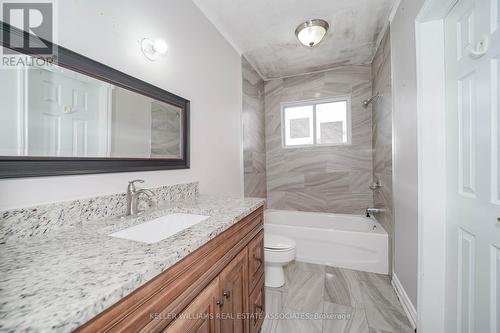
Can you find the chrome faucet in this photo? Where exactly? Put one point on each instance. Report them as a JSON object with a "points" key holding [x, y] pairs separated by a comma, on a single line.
{"points": [[369, 211], [133, 197]]}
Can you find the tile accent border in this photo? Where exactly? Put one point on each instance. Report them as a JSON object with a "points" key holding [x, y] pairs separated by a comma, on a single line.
{"points": [[410, 311], [38, 220]]}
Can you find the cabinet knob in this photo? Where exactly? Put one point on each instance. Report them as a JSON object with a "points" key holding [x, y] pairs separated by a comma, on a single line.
{"points": [[259, 307], [257, 257], [226, 294], [220, 302]]}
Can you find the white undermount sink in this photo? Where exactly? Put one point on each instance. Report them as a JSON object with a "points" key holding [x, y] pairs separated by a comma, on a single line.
{"points": [[160, 228]]}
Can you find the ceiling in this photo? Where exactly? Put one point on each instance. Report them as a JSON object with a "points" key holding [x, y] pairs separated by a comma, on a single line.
{"points": [[263, 31]]}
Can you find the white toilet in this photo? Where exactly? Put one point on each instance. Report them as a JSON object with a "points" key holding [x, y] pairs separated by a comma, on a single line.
{"points": [[278, 251]]}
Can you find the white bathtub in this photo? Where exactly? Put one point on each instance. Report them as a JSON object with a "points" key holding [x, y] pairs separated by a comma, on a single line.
{"points": [[347, 241]]}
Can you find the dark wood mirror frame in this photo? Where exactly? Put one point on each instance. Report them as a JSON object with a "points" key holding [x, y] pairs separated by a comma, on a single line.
{"points": [[26, 166]]}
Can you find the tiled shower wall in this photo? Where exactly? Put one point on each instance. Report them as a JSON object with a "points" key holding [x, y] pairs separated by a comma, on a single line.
{"points": [[254, 146], [323, 179], [382, 134]]}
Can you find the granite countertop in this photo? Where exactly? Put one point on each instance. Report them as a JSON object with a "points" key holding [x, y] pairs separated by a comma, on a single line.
{"points": [[60, 280]]}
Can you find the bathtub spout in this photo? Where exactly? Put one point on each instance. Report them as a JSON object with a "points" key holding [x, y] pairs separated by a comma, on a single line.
{"points": [[369, 211]]}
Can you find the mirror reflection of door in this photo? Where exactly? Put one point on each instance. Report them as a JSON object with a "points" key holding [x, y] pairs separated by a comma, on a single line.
{"points": [[67, 114], [55, 112]]}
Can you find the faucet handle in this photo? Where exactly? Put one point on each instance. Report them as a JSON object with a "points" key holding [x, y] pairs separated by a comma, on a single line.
{"points": [[131, 184]]}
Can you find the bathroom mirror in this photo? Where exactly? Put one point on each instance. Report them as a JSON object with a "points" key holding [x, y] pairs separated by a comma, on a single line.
{"points": [[80, 116]]}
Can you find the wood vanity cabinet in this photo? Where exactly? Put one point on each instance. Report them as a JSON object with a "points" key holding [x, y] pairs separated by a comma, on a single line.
{"points": [[202, 313], [256, 259], [234, 288], [219, 288], [256, 306]]}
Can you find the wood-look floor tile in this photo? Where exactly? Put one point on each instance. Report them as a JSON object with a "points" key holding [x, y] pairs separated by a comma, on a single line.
{"points": [[374, 277], [369, 299], [378, 294], [342, 287], [305, 292], [374, 330], [387, 320], [345, 319], [337, 290], [296, 323], [274, 301]]}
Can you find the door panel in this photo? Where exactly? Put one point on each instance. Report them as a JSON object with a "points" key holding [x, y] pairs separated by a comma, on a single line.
{"points": [[257, 306], [234, 292], [75, 103], [466, 135], [51, 134], [495, 288], [472, 162], [495, 127], [466, 277], [201, 316], [465, 33], [255, 260]]}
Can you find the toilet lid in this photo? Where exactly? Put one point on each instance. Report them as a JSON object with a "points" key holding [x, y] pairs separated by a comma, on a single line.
{"points": [[276, 242]]}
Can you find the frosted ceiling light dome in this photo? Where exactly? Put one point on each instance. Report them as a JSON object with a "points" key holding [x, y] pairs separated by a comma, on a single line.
{"points": [[311, 32]]}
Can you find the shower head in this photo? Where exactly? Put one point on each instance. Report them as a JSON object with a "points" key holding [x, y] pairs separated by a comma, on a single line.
{"points": [[370, 100]]}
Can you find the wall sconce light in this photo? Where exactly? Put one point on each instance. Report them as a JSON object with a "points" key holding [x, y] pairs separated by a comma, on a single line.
{"points": [[153, 49]]}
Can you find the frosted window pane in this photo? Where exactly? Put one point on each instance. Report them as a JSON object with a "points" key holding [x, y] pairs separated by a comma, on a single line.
{"points": [[331, 122], [299, 126]]}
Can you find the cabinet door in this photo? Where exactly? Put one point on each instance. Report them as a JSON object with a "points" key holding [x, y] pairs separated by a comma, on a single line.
{"points": [[234, 292], [202, 315], [256, 306], [255, 260]]}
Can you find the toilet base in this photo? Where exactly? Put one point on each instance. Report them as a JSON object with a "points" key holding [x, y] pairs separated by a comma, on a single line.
{"points": [[275, 276]]}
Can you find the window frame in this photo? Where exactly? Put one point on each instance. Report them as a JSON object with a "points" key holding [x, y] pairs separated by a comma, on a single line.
{"points": [[314, 103]]}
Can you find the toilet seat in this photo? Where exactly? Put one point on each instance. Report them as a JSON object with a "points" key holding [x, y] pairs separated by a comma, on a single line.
{"points": [[275, 243]]}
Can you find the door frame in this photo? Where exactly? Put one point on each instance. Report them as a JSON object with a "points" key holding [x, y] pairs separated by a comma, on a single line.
{"points": [[431, 129]]}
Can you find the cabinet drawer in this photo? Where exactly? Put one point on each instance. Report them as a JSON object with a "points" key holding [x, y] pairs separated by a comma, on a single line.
{"points": [[255, 260], [257, 306]]}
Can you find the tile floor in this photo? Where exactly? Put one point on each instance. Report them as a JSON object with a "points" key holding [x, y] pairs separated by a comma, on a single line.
{"points": [[346, 301]]}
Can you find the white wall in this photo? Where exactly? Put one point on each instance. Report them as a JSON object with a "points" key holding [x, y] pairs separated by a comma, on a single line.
{"points": [[200, 66], [405, 174]]}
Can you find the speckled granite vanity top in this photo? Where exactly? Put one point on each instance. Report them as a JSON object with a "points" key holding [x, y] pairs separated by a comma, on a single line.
{"points": [[61, 279]]}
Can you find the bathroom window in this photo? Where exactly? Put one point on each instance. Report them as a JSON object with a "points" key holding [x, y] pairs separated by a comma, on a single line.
{"points": [[317, 123]]}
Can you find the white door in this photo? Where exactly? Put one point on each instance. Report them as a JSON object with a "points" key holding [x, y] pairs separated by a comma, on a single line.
{"points": [[473, 157], [64, 114]]}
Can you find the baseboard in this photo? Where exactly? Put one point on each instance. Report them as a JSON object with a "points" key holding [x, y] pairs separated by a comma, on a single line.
{"points": [[410, 311]]}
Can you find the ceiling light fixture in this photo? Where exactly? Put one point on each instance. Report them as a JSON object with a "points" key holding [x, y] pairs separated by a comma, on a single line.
{"points": [[311, 32], [153, 49]]}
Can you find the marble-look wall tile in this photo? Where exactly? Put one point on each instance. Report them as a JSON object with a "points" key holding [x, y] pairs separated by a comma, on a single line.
{"points": [[32, 221], [254, 146], [322, 179], [382, 135]]}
